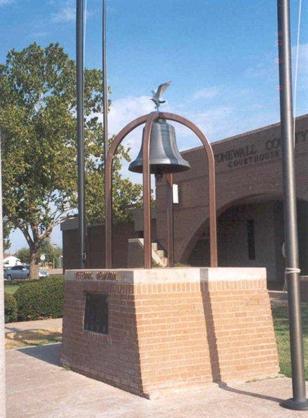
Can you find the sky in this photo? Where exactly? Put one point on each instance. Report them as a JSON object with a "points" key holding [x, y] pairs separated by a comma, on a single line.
{"points": [[220, 55]]}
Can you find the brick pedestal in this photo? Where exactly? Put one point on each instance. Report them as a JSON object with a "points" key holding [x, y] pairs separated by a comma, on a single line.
{"points": [[171, 327]]}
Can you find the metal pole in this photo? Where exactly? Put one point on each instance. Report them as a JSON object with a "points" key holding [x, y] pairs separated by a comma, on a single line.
{"points": [[146, 178], [80, 128], [105, 86], [2, 339], [105, 116], [298, 401]]}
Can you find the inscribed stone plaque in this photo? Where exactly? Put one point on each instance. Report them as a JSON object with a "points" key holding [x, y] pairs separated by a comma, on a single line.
{"points": [[96, 313]]}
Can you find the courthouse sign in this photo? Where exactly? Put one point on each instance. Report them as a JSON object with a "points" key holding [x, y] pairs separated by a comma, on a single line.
{"points": [[257, 152]]}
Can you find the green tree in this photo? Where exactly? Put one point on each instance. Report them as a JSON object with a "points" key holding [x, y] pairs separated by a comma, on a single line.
{"points": [[6, 234], [24, 255], [51, 252], [38, 122]]}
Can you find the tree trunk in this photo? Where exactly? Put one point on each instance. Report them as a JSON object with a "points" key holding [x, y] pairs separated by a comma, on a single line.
{"points": [[34, 267]]}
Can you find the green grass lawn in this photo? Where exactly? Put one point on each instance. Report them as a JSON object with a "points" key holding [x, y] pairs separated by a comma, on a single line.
{"points": [[10, 287], [281, 324]]}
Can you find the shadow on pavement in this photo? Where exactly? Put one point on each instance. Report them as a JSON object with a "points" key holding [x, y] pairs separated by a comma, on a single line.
{"points": [[31, 337], [224, 386], [11, 329], [49, 353]]}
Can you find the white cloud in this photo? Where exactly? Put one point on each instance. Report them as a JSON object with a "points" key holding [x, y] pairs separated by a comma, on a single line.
{"points": [[260, 70], [65, 15], [5, 2], [215, 122], [123, 111], [126, 109], [206, 93]]}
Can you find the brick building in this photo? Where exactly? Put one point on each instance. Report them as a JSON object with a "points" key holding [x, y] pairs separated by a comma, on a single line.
{"points": [[249, 205]]}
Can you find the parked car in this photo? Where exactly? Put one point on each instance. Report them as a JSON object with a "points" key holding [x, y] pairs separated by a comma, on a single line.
{"points": [[16, 273], [43, 273], [21, 272]]}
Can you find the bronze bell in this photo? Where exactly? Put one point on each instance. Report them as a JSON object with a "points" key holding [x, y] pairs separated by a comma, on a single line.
{"points": [[164, 154]]}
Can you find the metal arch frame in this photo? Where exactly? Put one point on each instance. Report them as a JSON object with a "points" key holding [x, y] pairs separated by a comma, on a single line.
{"points": [[148, 121]]}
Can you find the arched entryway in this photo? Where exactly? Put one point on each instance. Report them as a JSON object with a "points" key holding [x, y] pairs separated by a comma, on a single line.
{"points": [[250, 234]]}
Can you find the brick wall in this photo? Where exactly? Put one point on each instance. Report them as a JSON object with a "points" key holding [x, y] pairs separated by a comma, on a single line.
{"points": [[113, 358], [240, 329], [173, 328], [96, 246]]}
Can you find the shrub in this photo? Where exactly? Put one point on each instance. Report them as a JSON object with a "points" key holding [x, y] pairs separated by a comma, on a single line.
{"points": [[10, 308], [40, 299]]}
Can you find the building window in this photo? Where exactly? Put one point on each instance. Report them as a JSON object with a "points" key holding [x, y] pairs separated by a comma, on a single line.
{"points": [[251, 239], [96, 313]]}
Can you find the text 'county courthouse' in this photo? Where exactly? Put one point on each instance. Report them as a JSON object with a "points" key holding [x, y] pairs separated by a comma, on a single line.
{"points": [[249, 207]]}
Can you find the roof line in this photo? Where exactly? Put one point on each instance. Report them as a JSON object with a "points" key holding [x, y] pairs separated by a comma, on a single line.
{"points": [[246, 133]]}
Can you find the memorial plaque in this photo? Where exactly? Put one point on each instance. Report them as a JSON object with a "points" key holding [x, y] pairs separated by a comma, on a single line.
{"points": [[96, 313]]}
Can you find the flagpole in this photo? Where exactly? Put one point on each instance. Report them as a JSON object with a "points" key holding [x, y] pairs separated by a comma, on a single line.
{"points": [[299, 401], [80, 129], [2, 335], [105, 86], [105, 90]]}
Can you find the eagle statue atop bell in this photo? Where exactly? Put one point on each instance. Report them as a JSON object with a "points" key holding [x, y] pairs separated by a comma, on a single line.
{"points": [[164, 154]]}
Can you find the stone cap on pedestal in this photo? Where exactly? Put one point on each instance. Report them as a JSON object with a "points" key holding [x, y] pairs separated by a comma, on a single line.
{"points": [[171, 275]]}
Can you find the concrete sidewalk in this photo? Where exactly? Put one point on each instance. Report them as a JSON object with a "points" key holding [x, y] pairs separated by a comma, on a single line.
{"points": [[31, 333], [38, 387], [48, 324]]}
